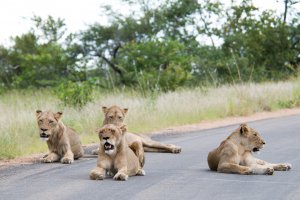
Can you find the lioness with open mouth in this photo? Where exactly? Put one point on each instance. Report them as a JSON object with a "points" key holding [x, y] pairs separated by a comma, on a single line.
{"points": [[234, 155], [115, 156]]}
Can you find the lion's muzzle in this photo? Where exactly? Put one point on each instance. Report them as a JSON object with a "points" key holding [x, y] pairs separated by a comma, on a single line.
{"points": [[108, 146], [44, 136]]}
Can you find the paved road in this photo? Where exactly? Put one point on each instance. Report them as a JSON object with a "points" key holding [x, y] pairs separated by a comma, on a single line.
{"points": [[170, 176]]}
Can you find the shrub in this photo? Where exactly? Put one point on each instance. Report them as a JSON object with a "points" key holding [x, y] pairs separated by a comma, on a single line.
{"points": [[75, 94]]}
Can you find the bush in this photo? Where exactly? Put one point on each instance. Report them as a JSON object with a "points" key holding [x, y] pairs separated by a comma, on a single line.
{"points": [[75, 94]]}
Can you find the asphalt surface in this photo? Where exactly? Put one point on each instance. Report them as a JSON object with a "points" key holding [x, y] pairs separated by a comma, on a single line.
{"points": [[170, 176]]}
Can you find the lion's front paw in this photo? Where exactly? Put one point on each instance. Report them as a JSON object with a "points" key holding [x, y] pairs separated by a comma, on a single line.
{"points": [[66, 160], [141, 172], [47, 160], [95, 175], [121, 177], [284, 167], [269, 171]]}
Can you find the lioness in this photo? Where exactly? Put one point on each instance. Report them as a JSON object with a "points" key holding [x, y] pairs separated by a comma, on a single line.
{"points": [[115, 156], [116, 115], [63, 142], [234, 155]]}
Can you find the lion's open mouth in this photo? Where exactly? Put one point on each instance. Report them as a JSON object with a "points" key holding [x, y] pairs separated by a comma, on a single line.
{"points": [[108, 146], [44, 135], [255, 149]]}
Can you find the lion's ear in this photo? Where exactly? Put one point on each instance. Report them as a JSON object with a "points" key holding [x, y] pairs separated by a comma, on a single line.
{"points": [[244, 129], [38, 113], [125, 110], [58, 115], [104, 109], [123, 128]]}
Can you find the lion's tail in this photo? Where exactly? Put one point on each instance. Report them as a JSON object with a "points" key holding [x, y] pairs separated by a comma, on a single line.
{"points": [[139, 152]]}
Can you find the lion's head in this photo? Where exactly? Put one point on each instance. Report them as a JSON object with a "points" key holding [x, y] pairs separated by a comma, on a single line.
{"points": [[114, 115], [251, 139], [110, 137], [47, 123]]}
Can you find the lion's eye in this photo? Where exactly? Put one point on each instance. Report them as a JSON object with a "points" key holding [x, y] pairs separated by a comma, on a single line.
{"points": [[110, 117], [40, 120], [255, 134], [120, 117], [50, 121]]}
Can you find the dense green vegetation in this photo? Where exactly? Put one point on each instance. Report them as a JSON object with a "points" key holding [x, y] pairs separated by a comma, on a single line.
{"points": [[164, 46]]}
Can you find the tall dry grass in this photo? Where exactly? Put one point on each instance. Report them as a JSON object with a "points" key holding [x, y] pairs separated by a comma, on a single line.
{"points": [[19, 135]]}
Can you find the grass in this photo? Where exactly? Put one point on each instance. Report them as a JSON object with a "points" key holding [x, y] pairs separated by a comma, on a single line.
{"points": [[19, 135]]}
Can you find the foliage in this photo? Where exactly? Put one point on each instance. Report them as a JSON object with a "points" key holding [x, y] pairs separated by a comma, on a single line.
{"points": [[74, 94], [263, 43], [37, 60], [163, 46], [155, 65]]}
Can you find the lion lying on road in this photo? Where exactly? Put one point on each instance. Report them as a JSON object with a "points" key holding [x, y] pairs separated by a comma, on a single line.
{"points": [[115, 156], [63, 142], [234, 155]]}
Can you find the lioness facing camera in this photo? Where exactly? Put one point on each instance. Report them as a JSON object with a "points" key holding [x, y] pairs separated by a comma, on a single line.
{"points": [[234, 155], [115, 156], [63, 142]]}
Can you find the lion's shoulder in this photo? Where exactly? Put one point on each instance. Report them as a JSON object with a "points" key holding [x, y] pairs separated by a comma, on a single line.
{"points": [[228, 146]]}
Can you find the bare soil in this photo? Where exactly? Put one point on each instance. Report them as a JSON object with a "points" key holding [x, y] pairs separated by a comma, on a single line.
{"points": [[36, 158]]}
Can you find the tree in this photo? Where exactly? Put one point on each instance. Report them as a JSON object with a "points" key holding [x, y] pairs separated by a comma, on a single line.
{"points": [[155, 65], [170, 21], [264, 43], [163, 46], [37, 59]]}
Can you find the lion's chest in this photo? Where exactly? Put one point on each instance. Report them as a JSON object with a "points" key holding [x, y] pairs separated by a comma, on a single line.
{"points": [[244, 157]]}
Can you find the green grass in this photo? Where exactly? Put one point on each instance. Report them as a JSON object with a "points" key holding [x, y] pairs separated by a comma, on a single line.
{"points": [[19, 134]]}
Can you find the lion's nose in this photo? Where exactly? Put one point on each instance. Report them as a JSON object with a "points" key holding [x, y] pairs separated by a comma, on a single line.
{"points": [[43, 129], [105, 138]]}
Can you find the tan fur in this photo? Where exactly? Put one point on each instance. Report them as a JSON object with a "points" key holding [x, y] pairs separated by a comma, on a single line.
{"points": [[116, 115], [121, 161], [63, 142], [234, 155]]}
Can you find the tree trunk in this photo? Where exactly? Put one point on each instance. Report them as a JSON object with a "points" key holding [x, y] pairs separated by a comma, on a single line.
{"points": [[285, 10], [114, 68]]}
